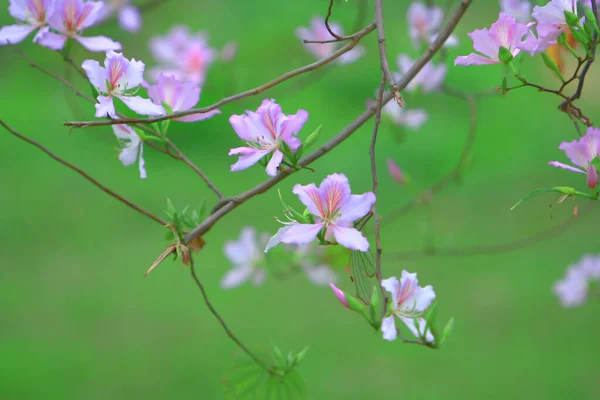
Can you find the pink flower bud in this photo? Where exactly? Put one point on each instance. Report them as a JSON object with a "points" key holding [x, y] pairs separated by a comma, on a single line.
{"points": [[592, 177], [340, 295], [395, 171]]}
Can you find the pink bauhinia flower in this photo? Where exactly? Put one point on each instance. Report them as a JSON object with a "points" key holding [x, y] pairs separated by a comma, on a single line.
{"points": [[318, 31], [33, 14], [430, 78], [265, 131], [409, 301], [424, 22], [133, 147], [247, 259], [334, 208], [69, 19], [177, 96], [520, 10], [551, 23], [583, 153], [119, 78], [506, 32], [182, 54]]}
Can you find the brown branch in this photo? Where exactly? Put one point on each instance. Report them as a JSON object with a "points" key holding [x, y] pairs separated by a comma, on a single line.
{"points": [[385, 66], [455, 173], [259, 89], [85, 175], [228, 204], [549, 233], [331, 32], [214, 312]]}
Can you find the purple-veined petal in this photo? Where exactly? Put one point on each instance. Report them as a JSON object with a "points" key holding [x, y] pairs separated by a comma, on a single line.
{"points": [[17, 9], [98, 43], [485, 43], [90, 12], [130, 18], [474, 59], [96, 74], [134, 76], [310, 196], [248, 157], [388, 328], [393, 287], [423, 298], [334, 191], [13, 34], [142, 106], [236, 276], [356, 207], [275, 239], [410, 323], [291, 127], [578, 152], [565, 166], [49, 39], [274, 163], [300, 233], [350, 238], [105, 106]]}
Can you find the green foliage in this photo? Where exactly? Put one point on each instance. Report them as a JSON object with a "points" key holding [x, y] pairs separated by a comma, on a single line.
{"points": [[504, 55], [184, 220], [552, 65], [363, 269], [591, 25], [564, 190]]}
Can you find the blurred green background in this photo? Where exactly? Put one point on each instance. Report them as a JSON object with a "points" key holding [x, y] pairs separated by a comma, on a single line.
{"points": [[79, 322]]}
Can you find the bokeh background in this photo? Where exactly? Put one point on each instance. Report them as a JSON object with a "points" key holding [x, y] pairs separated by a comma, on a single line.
{"points": [[79, 322]]}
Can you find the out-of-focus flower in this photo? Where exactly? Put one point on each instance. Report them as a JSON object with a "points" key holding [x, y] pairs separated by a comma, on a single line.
{"points": [[430, 78], [395, 171], [247, 259], [264, 131], [229, 51], [506, 33], [177, 96], [401, 116], [32, 14], [409, 301], [424, 23], [133, 147], [128, 15], [184, 55], [556, 51], [334, 209], [573, 289], [551, 23], [520, 10], [583, 153], [318, 31], [308, 258], [69, 19], [119, 78]]}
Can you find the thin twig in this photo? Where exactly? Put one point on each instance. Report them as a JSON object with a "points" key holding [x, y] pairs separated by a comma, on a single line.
{"points": [[214, 312], [85, 175], [331, 32], [385, 66], [228, 204], [259, 89]]}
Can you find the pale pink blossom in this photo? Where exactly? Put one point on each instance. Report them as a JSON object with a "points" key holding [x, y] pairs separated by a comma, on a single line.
{"points": [[409, 301], [401, 116], [318, 31], [429, 78], [177, 96], [551, 23], [520, 10], [583, 153], [133, 147], [264, 131], [182, 54], [69, 19], [573, 289], [247, 259], [31, 15], [424, 23], [119, 78], [334, 209], [310, 259], [506, 33]]}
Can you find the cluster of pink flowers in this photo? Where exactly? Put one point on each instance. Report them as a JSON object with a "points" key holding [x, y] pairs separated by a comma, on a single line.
{"points": [[573, 290], [584, 154], [56, 21]]}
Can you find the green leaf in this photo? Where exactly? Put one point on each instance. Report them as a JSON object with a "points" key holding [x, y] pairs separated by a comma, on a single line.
{"points": [[590, 19], [447, 331], [552, 65], [571, 18], [558, 189], [170, 207], [363, 268], [504, 85], [312, 138], [249, 381]]}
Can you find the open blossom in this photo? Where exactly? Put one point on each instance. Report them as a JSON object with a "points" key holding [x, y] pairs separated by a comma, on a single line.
{"points": [[430, 78], [177, 96], [520, 10], [401, 116], [551, 23], [573, 289], [318, 31], [182, 54], [506, 32], [424, 23], [582, 153], [409, 301], [334, 209], [265, 130], [247, 260], [32, 15], [69, 19], [119, 78], [133, 149]]}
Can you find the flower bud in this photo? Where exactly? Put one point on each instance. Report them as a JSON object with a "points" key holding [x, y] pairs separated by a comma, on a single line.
{"points": [[347, 301], [395, 171], [592, 177], [312, 138], [504, 55], [571, 18]]}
